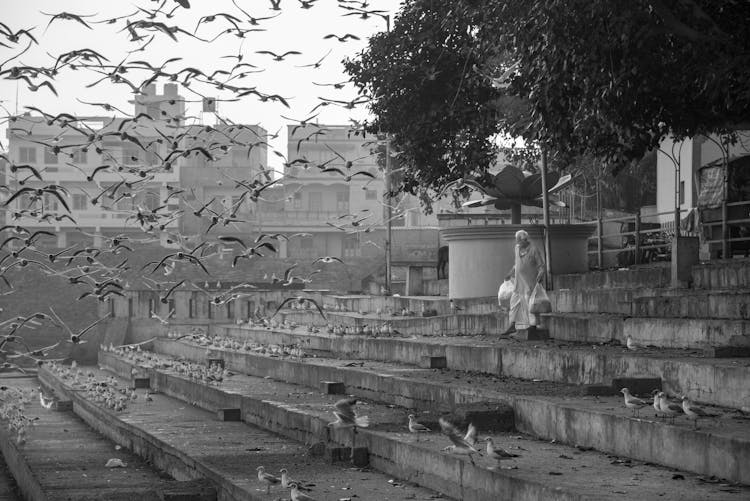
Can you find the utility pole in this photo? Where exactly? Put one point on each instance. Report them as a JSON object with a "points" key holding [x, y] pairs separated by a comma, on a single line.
{"points": [[545, 211], [388, 215]]}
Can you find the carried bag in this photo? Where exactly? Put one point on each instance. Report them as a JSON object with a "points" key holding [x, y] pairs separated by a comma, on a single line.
{"points": [[539, 301], [505, 291]]}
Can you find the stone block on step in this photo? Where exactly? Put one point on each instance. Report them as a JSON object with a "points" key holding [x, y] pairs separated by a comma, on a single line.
{"points": [[636, 385], [188, 490], [229, 414], [216, 361], [332, 387], [141, 383], [430, 362], [598, 390], [532, 334], [727, 352], [62, 405], [495, 416], [317, 449]]}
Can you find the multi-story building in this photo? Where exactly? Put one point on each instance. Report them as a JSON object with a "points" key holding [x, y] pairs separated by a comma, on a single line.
{"points": [[67, 151]]}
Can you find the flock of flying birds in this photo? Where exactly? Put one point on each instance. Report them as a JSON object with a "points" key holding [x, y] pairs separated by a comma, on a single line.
{"points": [[101, 271]]}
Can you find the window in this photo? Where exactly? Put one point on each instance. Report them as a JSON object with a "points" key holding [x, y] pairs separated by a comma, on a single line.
{"points": [[80, 202], [49, 156], [230, 309], [297, 200], [682, 192], [130, 307], [151, 306], [79, 157], [210, 310], [27, 155], [112, 309], [306, 243], [351, 246], [170, 307], [316, 200], [371, 194], [342, 201], [191, 308]]}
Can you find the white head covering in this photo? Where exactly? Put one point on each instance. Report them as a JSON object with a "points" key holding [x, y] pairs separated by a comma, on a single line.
{"points": [[522, 235]]}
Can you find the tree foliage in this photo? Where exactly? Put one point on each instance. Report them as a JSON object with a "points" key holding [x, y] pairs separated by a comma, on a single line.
{"points": [[603, 79]]}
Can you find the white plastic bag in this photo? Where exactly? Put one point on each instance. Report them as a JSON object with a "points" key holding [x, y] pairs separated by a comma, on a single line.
{"points": [[505, 291], [539, 301]]}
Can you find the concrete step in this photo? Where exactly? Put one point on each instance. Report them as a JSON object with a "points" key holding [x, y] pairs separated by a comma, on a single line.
{"points": [[395, 304], [439, 325], [63, 458], [722, 274], [566, 416], [647, 302], [545, 470], [689, 333], [190, 441], [8, 486], [708, 380], [634, 277]]}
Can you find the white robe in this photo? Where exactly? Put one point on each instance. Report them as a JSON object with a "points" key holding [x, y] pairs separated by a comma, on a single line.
{"points": [[527, 269]]}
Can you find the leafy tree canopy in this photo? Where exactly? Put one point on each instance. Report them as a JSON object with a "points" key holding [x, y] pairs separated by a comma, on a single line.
{"points": [[602, 79]]}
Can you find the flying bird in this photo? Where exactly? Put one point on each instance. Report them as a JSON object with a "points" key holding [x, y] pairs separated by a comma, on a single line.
{"points": [[277, 57], [300, 300], [460, 444]]}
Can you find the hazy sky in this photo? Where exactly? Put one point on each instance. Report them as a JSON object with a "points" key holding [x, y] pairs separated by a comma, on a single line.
{"points": [[294, 29]]}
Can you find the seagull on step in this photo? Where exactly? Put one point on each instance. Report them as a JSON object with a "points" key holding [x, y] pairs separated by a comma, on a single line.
{"points": [[667, 408], [633, 403], [286, 481], [460, 444], [498, 453], [632, 345], [694, 412], [267, 478], [299, 496], [416, 427]]}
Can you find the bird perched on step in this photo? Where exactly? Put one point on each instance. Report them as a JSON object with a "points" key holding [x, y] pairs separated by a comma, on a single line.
{"points": [[498, 453], [416, 427], [267, 478], [345, 415], [454, 307], [632, 345], [667, 408], [286, 481], [694, 412], [460, 444], [297, 495], [633, 403]]}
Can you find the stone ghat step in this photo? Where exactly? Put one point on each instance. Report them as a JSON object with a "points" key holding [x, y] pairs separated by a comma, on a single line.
{"points": [[544, 470], [654, 277], [547, 410], [689, 333], [191, 442], [646, 302], [65, 459], [395, 304], [722, 274], [708, 380], [439, 325]]}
